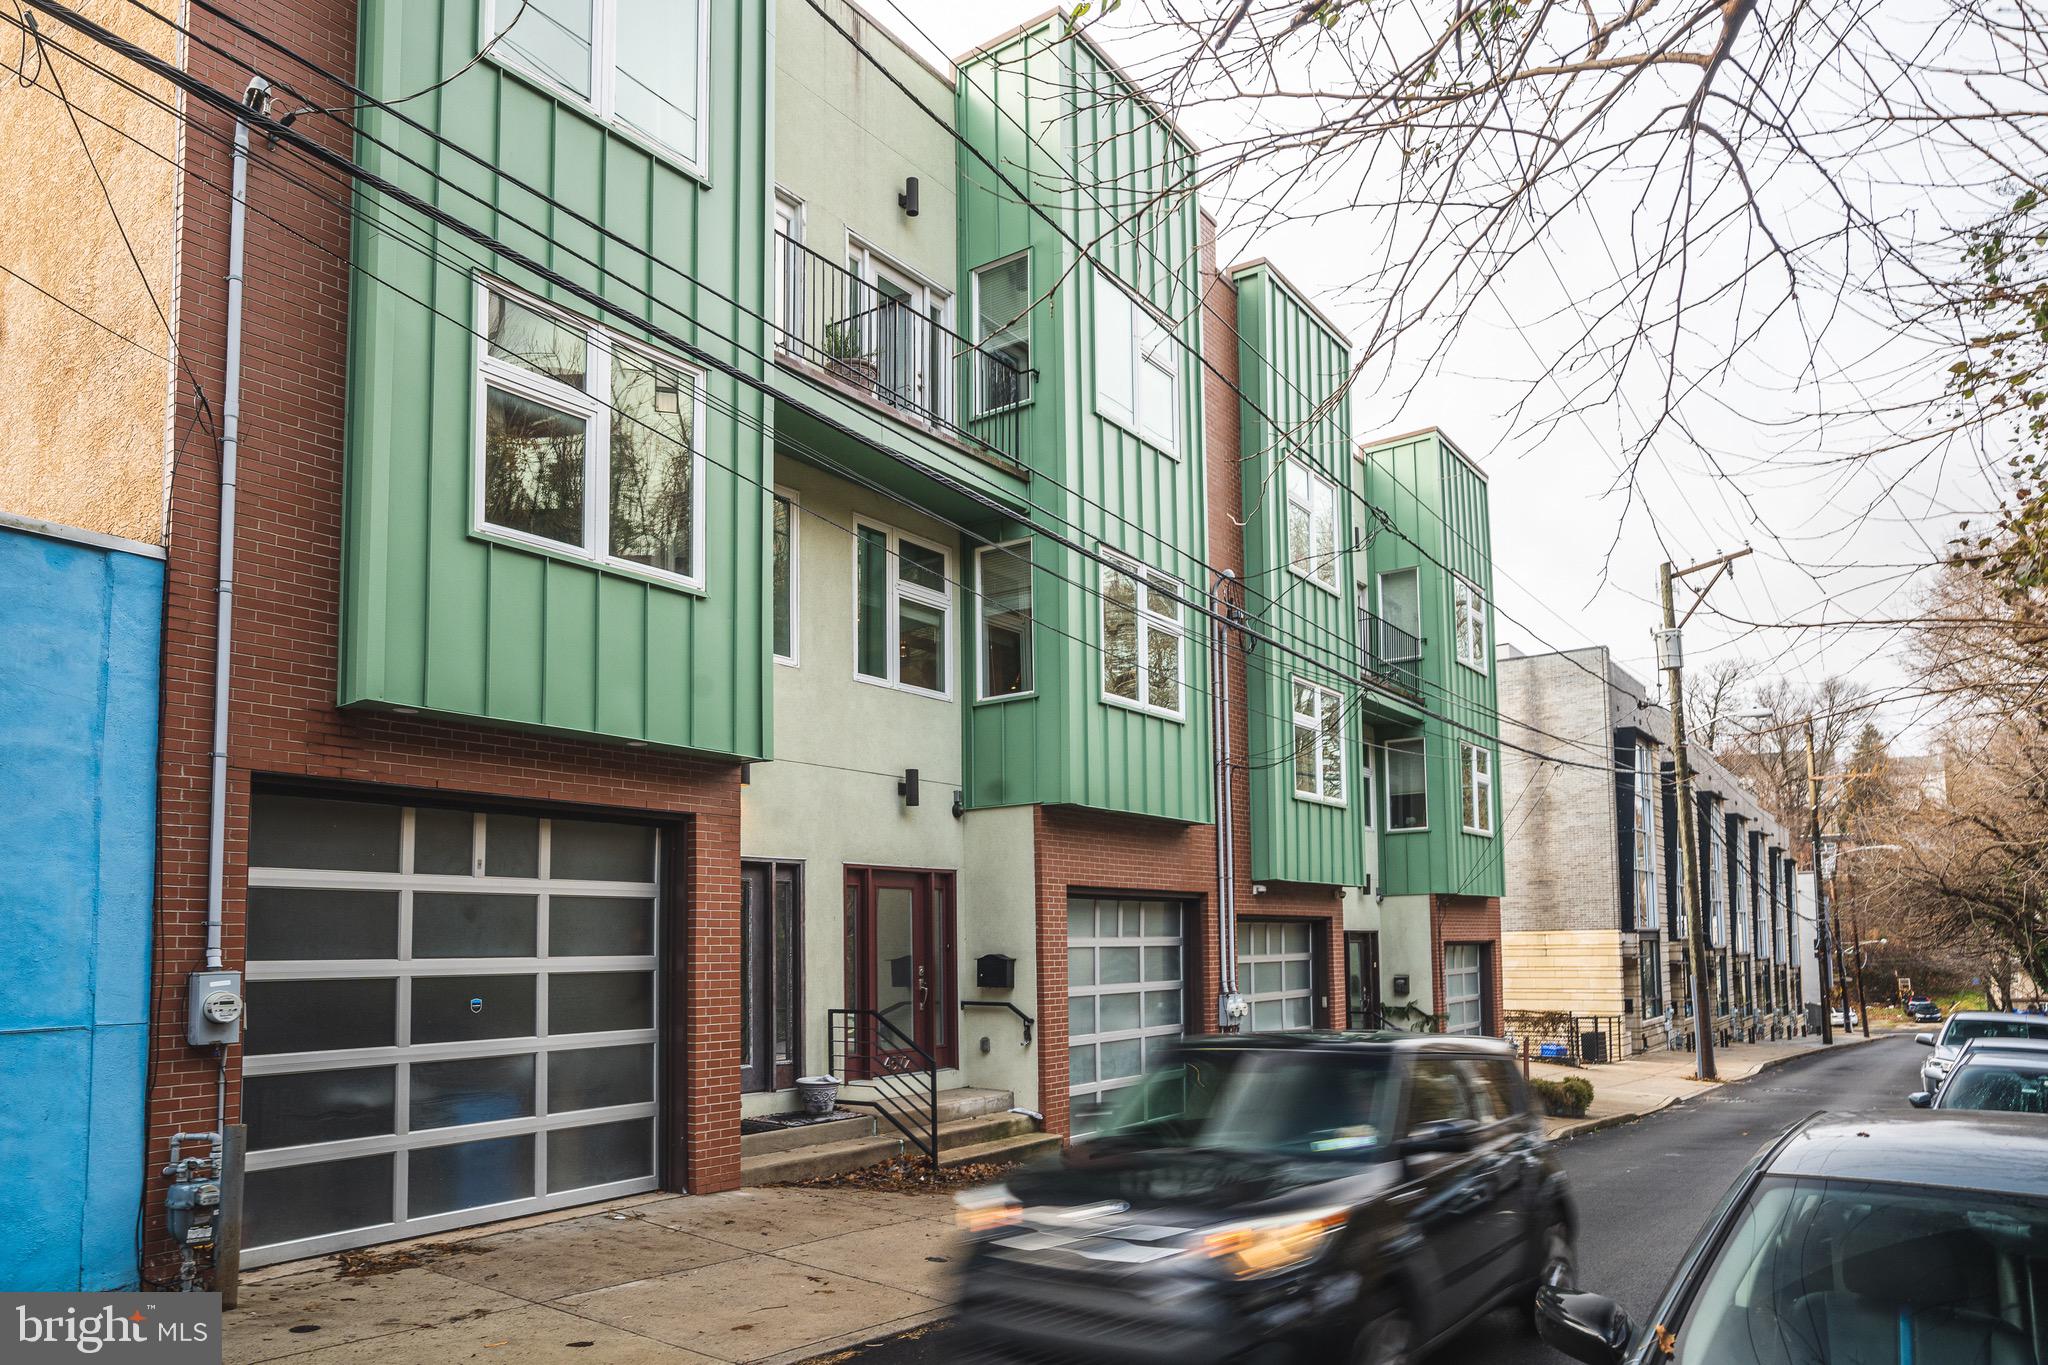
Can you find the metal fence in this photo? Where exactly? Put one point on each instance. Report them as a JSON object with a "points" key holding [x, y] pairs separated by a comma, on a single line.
{"points": [[1568, 1039]]}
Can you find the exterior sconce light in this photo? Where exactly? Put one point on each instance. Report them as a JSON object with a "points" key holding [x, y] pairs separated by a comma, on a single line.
{"points": [[907, 201], [907, 788]]}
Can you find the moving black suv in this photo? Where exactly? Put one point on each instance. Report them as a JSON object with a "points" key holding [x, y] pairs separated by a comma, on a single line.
{"points": [[1348, 1196]]}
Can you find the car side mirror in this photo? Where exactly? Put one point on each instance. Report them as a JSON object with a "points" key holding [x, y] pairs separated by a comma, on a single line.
{"points": [[1444, 1135], [1924, 1039], [1585, 1327], [1921, 1099]]}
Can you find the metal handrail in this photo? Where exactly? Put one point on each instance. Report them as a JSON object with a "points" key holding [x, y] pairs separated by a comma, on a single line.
{"points": [[896, 353], [1389, 652], [1029, 1022], [851, 1036]]}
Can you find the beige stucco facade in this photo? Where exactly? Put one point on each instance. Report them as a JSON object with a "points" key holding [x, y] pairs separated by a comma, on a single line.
{"points": [[84, 443], [1574, 970]]}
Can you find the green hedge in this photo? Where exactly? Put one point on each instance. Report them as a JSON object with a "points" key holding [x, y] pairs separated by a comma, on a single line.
{"points": [[1565, 1099]]}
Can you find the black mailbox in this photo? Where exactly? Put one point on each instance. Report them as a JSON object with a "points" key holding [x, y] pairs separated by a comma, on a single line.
{"points": [[995, 970]]}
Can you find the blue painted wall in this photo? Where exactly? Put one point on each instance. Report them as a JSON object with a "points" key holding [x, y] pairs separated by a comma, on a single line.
{"points": [[79, 637]]}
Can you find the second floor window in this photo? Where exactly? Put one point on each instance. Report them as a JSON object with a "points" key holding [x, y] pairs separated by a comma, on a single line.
{"points": [[1004, 587], [1475, 792], [1137, 368], [1318, 743], [1407, 785], [640, 64], [1311, 525], [588, 444], [1468, 624], [1002, 334], [1142, 640], [903, 611]]}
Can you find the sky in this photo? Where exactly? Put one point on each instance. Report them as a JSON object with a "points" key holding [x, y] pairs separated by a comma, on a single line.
{"points": [[1576, 563]]}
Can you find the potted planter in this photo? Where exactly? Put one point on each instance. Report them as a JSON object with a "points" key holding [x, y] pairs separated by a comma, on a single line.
{"points": [[820, 1094]]}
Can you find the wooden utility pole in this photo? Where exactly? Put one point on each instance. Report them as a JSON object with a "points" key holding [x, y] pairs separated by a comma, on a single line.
{"points": [[1671, 658], [1820, 893]]}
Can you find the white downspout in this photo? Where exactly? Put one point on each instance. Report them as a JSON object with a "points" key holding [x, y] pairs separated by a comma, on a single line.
{"points": [[256, 97]]}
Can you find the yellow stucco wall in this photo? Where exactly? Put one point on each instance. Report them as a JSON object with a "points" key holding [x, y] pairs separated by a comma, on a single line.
{"points": [[83, 440], [1576, 970]]}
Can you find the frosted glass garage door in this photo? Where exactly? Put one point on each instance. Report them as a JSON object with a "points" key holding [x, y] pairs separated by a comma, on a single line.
{"points": [[1124, 996], [1276, 973], [451, 1019]]}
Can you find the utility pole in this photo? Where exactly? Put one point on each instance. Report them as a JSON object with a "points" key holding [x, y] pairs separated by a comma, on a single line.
{"points": [[1671, 658], [1820, 894]]}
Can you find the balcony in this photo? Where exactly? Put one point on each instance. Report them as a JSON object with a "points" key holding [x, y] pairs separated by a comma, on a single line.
{"points": [[1392, 655], [884, 339]]}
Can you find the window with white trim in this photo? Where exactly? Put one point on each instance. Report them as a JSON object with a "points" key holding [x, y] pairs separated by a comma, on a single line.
{"points": [[784, 585], [789, 270], [1646, 837], [1717, 881], [1407, 785], [1003, 586], [903, 611], [1475, 789], [642, 65], [1311, 525], [586, 443], [1137, 368], [1318, 743], [1144, 644], [1468, 623], [1002, 333]]}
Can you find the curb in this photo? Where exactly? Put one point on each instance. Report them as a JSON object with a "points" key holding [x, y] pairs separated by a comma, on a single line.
{"points": [[1591, 1126]]}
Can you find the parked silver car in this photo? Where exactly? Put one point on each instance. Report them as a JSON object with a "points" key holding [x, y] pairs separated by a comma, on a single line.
{"points": [[2008, 1075], [1962, 1027]]}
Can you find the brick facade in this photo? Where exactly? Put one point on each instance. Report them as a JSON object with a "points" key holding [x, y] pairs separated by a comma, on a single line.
{"points": [[284, 722], [1469, 919]]}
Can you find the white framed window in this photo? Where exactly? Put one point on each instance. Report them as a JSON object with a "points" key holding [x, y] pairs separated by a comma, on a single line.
{"points": [[1717, 881], [1311, 525], [1407, 786], [1144, 644], [1475, 789], [1318, 743], [905, 320], [641, 66], [1004, 619], [789, 269], [1646, 837], [902, 611], [1002, 333], [1137, 368], [786, 585], [587, 444], [1464, 988], [1468, 624]]}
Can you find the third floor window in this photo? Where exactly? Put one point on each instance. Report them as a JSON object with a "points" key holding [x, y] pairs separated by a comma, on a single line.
{"points": [[1311, 525], [637, 64], [1468, 623]]}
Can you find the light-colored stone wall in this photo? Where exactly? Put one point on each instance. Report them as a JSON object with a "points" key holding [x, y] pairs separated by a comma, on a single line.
{"points": [[84, 440], [1577, 970], [1558, 817]]}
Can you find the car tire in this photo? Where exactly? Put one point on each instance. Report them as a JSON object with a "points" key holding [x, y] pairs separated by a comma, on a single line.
{"points": [[1387, 1336], [1559, 1266]]}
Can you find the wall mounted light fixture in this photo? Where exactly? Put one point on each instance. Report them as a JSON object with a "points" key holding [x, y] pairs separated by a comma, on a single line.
{"points": [[907, 788], [907, 201]]}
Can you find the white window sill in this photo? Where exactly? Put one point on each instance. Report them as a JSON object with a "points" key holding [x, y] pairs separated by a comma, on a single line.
{"points": [[1330, 588], [1335, 802], [1157, 713], [1006, 698], [891, 685], [569, 554]]}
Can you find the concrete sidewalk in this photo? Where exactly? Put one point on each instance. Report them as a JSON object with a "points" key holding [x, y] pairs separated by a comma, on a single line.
{"points": [[1645, 1083], [759, 1275]]}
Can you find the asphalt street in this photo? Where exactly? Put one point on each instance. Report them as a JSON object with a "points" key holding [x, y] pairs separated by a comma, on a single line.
{"points": [[1643, 1190]]}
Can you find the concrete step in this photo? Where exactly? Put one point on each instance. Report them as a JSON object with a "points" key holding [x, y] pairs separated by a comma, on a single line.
{"points": [[984, 1128], [962, 1102], [823, 1159], [809, 1135], [1015, 1148]]}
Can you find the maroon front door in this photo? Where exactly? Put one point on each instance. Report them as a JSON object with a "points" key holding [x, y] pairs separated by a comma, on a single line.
{"points": [[899, 942]]}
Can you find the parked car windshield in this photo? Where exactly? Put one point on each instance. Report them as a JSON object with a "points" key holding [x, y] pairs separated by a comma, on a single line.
{"points": [[2013, 1085], [1290, 1103], [1961, 1031], [1834, 1270]]}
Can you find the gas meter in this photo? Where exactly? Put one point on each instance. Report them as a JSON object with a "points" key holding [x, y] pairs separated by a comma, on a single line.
{"points": [[189, 1209]]}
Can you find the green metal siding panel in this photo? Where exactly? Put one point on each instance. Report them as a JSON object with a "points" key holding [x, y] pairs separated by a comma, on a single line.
{"points": [[435, 617], [1100, 484], [1289, 366]]}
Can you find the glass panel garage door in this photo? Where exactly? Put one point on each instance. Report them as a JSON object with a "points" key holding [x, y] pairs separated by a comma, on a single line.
{"points": [[1123, 996], [451, 1019], [1276, 973]]}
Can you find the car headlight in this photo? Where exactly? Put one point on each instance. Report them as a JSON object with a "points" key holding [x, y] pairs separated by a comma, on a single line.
{"points": [[987, 1209], [1266, 1246]]}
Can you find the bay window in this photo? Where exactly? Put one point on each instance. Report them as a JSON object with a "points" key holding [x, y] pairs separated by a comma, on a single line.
{"points": [[587, 444], [1137, 368], [640, 65], [1318, 743], [1143, 641]]}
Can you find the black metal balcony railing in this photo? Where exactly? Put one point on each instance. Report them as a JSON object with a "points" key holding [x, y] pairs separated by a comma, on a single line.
{"points": [[1391, 654], [888, 342]]}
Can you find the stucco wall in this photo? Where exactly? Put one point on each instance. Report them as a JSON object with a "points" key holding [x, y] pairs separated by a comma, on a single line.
{"points": [[1407, 948], [78, 690], [84, 441]]}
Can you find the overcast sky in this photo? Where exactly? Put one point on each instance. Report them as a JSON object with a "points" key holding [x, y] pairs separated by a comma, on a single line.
{"points": [[1832, 542]]}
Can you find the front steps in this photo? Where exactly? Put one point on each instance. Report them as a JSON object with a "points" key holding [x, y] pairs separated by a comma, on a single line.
{"points": [[975, 1125]]}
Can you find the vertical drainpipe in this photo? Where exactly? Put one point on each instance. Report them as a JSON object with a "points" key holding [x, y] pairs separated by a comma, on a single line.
{"points": [[1226, 843]]}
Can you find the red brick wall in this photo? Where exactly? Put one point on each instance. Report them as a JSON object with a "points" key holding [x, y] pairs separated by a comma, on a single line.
{"points": [[1467, 919], [284, 721]]}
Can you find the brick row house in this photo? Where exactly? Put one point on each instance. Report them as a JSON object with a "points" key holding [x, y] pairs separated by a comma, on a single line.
{"points": [[1593, 924], [731, 531]]}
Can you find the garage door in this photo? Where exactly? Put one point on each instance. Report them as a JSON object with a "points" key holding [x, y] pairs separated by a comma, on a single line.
{"points": [[451, 1019], [1276, 972], [1124, 996]]}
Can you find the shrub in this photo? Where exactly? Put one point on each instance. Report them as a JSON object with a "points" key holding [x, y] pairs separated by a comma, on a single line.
{"points": [[1565, 1099]]}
